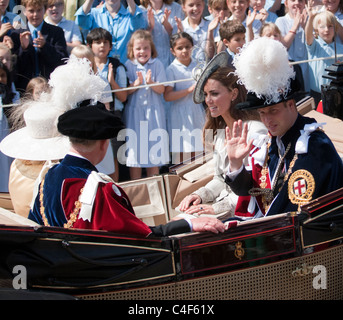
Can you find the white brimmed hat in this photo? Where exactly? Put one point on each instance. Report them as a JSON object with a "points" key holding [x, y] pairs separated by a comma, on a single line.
{"points": [[39, 140]]}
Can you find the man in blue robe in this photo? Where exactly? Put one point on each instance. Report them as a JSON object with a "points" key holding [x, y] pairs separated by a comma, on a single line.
{"points": [[63, 200]]}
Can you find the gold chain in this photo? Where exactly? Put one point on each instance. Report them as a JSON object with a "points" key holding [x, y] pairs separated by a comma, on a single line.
{"points": [[72, 217], [263, 179]]}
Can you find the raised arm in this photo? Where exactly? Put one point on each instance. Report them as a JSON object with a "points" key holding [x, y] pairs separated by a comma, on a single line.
{"points": [[309, 37], [87, 6], [237, 145]]}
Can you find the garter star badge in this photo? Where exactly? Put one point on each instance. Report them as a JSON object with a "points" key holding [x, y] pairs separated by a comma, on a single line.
{"points": [[301, 187]]}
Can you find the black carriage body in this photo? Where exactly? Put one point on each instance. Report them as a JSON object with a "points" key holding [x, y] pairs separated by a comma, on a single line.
{"points": [[85, 262]]}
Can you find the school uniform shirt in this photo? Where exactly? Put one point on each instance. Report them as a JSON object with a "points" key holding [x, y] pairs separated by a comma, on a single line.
{"points": [[320, 49], [121, 26], [145, 119], [121, 81], [317, 171], [199, 35], [71, 30], [8, 17], [159, 34], [297, 51], [185, 116]]}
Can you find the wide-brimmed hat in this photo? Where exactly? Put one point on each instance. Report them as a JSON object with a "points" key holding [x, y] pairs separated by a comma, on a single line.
{"points": [[39, 140], [262, 66], [218, 61], [90, 122]]}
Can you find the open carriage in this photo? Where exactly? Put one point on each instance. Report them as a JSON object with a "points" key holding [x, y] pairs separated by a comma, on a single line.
{"points": [[287, 256]]}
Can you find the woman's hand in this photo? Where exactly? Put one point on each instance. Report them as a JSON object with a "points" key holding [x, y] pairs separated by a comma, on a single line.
{"points": [[201, 209], [192, 199]]}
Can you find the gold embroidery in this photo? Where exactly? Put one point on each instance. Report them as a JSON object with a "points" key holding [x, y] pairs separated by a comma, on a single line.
{"points": [[301, 187], [72, 217]]}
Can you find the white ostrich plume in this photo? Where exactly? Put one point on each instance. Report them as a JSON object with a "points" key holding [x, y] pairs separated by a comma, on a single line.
{"points": [[263, 68], [74, 82]]}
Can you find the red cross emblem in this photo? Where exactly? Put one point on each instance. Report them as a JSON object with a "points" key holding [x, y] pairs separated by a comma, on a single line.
{"points": [[300, 187]]}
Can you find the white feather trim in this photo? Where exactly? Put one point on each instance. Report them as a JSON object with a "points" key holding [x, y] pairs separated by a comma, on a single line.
{"points": [[74, 82], [263, 68]]}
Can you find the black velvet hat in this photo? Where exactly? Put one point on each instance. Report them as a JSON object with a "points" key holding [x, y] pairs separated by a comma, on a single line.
{"points": [[89, 121]]}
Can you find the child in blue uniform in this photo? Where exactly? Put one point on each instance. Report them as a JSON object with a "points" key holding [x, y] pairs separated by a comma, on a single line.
{"points": [[319, 46], [145, 119], [186, 117]]}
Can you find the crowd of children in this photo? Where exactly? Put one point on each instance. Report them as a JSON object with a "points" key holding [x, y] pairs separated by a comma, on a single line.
{"points": [[132, 44]]}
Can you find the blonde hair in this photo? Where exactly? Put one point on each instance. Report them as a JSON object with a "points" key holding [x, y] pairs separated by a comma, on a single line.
{"points": [[269, 26], [327, 18], [141, 35], [33, 83], [83, 51], [6, 48]]}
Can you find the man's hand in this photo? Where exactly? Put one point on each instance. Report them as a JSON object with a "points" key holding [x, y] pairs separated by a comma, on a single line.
{"points": [[203, 224], [236, 144]]}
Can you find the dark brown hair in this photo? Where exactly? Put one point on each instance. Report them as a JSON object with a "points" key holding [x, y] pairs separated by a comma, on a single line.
{"points": [[228, 79]]}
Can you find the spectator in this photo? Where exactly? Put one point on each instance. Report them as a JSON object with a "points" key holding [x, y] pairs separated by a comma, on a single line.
{"points": [[186, 118], [40, 48], [263, 14], [7, 20], [195, 25], [54, 16], [219, 13], [113, 72], [239, 9], [232, 34], [144, 113], [121, 22], [6, 98], [320, 45], [160, 15], [293, 35]]}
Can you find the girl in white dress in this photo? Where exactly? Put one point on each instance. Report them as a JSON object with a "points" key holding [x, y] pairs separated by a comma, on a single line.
{"points": [[147, 144], [186, 117]]}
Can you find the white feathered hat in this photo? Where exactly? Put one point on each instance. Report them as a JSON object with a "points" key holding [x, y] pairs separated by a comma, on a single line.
{"points": [[262, 66], [40, 140]]}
